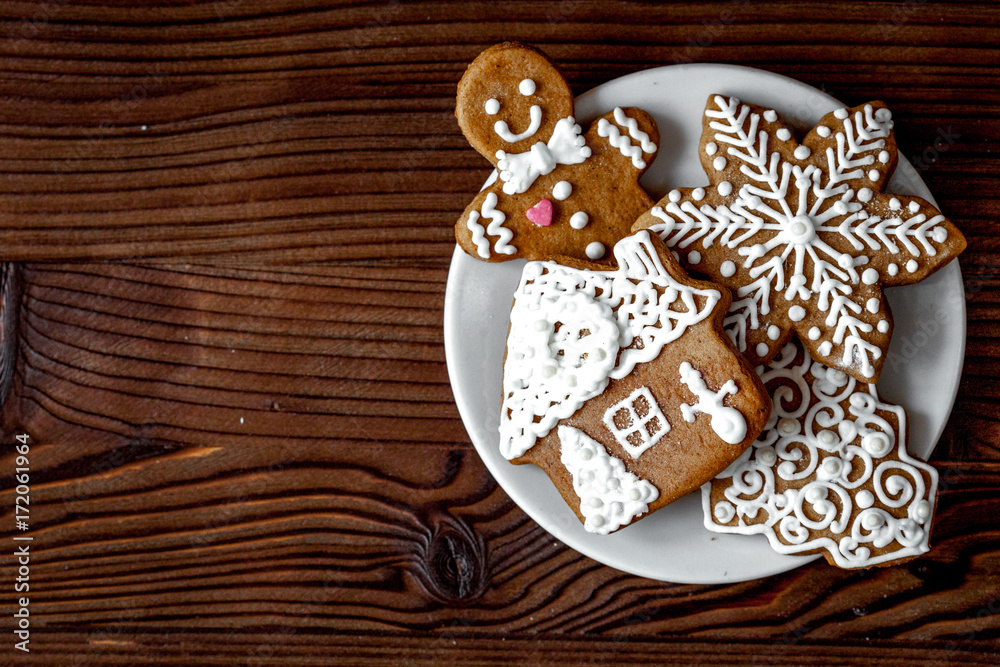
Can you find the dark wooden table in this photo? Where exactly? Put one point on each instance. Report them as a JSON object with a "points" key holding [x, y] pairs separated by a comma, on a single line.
{"points": [[228, 228]]}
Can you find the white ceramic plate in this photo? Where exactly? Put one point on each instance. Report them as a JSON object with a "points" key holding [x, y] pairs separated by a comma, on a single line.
{"points": [[921, 372]]}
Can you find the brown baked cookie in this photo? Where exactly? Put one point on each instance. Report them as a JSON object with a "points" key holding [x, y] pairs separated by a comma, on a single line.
{"points": [[621, 385], [830, 474], [556, 191], [802, 233]]}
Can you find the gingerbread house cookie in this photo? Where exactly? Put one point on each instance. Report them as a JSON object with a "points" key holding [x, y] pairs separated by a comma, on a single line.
{"points": [[621, 385]]}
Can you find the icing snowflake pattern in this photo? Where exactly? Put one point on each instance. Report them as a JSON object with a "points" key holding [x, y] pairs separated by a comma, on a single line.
{"points": [[573, 330], [805, 237], [830, 473]]}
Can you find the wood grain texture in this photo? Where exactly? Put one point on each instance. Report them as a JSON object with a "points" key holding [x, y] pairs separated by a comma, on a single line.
{"points": [[247, 450]]}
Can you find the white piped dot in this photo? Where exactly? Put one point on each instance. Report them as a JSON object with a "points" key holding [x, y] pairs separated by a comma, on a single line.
{"points": [[526, 87], [719, 163], [674, 196], [725, 188], [586, 454], [562, 190], [694, 257], [883, 157], [596, 502], [579, 220], [802, 152], [865, 499], [871, 521], [711, 148], [634, 494], [595, 250], [873, 175], [773, 332], [783, 134], [922, 511], [825, 348], [727, 268], [541, 325], [913, 206], [767, 456], [492, 106], [548, 371], [816, 494], [883, 326], [597, 520], [894, 204], [823, 131], [939, 234], [865, 195], [869, 276], [840, 114], [698, 194], [788, 426], [872, 305], [724, 512], [762, 349], [876, 444], [911, 266], [814, 333], [796, 313], [770, 115], [840, 207], [893, 269], [826, 437]]}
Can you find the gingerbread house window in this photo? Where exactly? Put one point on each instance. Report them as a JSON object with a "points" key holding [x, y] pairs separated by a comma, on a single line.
{"points": [[636, 422]]}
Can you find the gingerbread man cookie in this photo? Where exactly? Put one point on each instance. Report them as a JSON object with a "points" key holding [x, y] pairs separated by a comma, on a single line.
{"points": [[621, 385], [556, 190], [803, 233], [830, 474]]}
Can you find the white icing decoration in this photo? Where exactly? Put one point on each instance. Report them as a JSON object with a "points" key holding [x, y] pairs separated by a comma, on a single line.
{"points": [[883, 326], [610, 496], [632, 125], [526, 87], [790, 225], [873, 175], [840, 114], [825, 348], [805, 488], [694, 257], [492, 106], [894, 204], [710, 148], [796, 313], [595, 250], [873, 305], [674, 196], [504, 132], [869, 277], [762, 349], [911, 265], [719, 163], [883, 157], [645, 423], [823, 131], [914, 207], [773, 332], [621, 142], [893, 269], [814, 333], [725, 188], [698, 194], [783, 134], [727, 269], [802, 152], [566, 146], [628, 321], [770, 115], [562, 190], [495, 228], [490, 180], [579, 220], [727, 422]]}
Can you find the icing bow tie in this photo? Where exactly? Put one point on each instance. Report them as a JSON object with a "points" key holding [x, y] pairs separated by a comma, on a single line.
{"points": [[566, 146]]}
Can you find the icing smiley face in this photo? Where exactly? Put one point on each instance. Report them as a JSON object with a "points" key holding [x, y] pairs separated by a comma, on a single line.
{"points": [[562, 190]]}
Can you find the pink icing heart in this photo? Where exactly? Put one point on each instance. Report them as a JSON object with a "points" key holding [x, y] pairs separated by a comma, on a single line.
{"points": [[540, 213]]}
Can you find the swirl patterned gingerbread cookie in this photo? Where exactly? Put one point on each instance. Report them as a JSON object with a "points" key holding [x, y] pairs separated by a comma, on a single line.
{"points": [[830, 473]]}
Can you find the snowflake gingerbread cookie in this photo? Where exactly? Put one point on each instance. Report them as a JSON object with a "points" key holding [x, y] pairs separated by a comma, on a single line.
{"points": [[556, 190], [803, 233], [621, 385], [830, 474]]}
